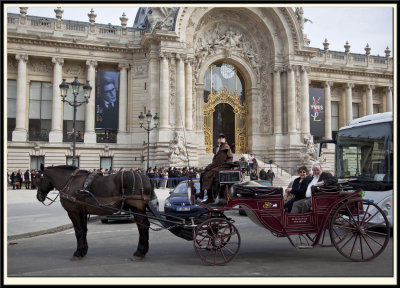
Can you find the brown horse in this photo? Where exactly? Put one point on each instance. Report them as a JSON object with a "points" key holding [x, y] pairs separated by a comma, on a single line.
{"points": [[127, 190]]}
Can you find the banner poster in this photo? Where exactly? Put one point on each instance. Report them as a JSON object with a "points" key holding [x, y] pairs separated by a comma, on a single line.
{"points": [[317, 112], [107, 100]]}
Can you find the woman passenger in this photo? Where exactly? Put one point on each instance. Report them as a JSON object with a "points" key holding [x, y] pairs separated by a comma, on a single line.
{"points": [[299, 187]]}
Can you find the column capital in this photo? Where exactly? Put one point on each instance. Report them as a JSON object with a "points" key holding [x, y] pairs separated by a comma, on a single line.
{"points": [[180, 56], [349, 85], [57, 60], [371, 86], [91, 63], [123, 66], [389, 88], [304, 68], [23, 57], [328, 84], [291, 67], [277, 69], [189, 61]]}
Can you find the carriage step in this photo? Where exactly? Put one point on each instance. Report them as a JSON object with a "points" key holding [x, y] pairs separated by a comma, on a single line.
{"points": [[305, 247]]}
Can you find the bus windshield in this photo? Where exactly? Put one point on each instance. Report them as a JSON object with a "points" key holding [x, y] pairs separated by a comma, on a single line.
{"points": [[366, 153]]}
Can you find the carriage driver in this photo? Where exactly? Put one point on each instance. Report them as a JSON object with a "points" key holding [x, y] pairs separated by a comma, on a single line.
{"points": [[223, 154]]}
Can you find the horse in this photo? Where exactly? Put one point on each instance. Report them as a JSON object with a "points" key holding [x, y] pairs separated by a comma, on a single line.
{"points": [[125, 189]]}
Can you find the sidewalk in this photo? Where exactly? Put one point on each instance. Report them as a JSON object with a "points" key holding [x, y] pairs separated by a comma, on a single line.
{"points": [[27, 217]]}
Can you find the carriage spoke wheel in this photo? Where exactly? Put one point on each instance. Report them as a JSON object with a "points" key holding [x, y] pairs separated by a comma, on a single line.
{"points": [[354, 230], [216, 241]]}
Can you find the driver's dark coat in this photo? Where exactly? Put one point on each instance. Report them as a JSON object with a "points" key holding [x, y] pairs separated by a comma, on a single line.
{"points": [[224, 155]]}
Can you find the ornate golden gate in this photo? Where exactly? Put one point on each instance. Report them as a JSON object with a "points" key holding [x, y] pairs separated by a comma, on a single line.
{"points": [[240, 111]]}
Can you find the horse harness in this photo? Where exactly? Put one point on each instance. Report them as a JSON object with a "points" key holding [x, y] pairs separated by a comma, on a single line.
{"points": [[86, 190]]}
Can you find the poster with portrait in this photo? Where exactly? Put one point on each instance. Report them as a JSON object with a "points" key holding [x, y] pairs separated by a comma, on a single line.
{"points": [[107, 100], [317, 112]]}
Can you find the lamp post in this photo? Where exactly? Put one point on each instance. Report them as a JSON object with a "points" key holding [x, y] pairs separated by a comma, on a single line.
{"points": [[148, 116], [75, 91]]}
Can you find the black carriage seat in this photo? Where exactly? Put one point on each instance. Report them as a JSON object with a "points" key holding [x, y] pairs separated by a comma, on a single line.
{"points": [[341, 189], [241, 190]]}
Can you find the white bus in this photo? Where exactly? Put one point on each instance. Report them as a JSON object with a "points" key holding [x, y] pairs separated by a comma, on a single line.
{"points": [[364, 157]]}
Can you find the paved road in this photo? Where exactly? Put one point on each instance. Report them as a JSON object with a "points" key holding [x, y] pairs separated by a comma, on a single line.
{"points": [[261, 258]]}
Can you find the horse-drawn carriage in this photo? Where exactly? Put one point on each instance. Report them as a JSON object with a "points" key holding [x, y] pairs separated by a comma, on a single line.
{"points": [[339, 216]]}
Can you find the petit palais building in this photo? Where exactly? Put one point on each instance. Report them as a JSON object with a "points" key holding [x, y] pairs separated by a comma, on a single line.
{"points": [[246, 72]]}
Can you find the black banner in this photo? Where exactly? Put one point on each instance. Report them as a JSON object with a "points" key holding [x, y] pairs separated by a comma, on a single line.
{"points": [[317, 112], [107, 100]]}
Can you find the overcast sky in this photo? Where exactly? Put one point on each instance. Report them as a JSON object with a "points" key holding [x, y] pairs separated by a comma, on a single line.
{"points": [[358, 25]]}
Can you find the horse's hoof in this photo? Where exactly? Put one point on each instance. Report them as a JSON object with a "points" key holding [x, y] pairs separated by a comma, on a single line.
{"points": [[75, 258], [136, 258]]}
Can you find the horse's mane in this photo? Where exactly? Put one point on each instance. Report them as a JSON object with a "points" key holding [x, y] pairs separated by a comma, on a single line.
{"points": [[67, 167]]}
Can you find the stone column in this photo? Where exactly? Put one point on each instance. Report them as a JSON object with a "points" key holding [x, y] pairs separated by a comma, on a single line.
{"points": [[164, 91], [180, 92], [328, 110], [370, 110], [56, 134], [20, 132], [154, 79], [389, 100], [90, 109], [123, 96], [291, 87], [349, 102], [189, 95], [277, 101], [305, 100]]}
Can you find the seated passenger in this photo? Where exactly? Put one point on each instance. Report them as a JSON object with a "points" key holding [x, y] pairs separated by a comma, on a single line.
{"points": [[298, 189], [319, 179], [223, 154]]}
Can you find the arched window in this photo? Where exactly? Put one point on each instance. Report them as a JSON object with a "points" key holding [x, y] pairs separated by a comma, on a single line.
{"points": [[222, 75]]}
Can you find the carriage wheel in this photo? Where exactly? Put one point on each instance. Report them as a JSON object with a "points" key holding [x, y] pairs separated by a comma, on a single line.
{"points": [[216, 241], [354, 231]]}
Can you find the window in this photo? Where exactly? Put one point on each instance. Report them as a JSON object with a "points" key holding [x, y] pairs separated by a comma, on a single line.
{"points": [[36, 161], [70, 162], [11, 107], [356, 109], [335, 118], [220, 76], [68, 119], [375, 108], [106, 163], [40, 103]]}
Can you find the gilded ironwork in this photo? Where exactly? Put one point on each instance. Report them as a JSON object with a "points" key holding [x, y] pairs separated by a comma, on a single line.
{"points": [[224, 96]]}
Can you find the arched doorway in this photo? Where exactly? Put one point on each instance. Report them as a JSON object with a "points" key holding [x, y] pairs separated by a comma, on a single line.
{"points": [[225, 106]]}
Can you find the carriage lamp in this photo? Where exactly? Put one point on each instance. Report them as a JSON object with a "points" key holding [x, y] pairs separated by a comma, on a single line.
{"points": [[87, 89], [148, 116]]}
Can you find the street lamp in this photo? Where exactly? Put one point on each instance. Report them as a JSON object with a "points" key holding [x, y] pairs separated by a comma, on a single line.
{"points": [[75, 90], [148, 116]]}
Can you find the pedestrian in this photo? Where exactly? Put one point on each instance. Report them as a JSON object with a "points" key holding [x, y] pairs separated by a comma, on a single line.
{"points": [[33, 174], [27, 178], [255, 165], [13, 178], [270, 176], [263, 174], [253, 175], [19, 179]]}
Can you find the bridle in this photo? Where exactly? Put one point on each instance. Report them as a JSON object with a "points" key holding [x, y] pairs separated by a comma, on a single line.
{"points": [[42, 176]]}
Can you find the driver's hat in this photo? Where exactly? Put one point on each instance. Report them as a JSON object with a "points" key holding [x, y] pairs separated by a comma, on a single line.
{"points": [[221, 135]]}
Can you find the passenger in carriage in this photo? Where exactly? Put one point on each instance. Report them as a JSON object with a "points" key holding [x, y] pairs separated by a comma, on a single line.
{"points": [[320, 178], [298, 189], [223, 154]]}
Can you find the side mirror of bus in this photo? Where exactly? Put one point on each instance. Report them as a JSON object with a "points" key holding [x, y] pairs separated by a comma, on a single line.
{"points": [[323, 142]]}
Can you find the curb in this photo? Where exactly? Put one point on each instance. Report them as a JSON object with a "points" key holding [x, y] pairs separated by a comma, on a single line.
{"points": [[47, 231]]}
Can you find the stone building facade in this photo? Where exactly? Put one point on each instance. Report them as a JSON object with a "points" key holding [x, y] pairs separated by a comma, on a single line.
{"points": [[169, 63]]}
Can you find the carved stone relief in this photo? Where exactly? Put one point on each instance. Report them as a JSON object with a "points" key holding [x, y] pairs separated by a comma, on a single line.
{"points": [[140, 70], [12, 65], [266, 102], [172, 90], [40, 66], [176, 150], [74, 69], [298, 99]]}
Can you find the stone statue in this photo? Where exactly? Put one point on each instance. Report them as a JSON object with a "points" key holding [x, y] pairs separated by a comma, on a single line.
{"points": [[177, 150], [300, 17], [162, 18]]}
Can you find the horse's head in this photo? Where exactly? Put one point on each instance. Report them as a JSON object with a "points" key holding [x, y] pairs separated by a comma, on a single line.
{"points": [[42, 181]]}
